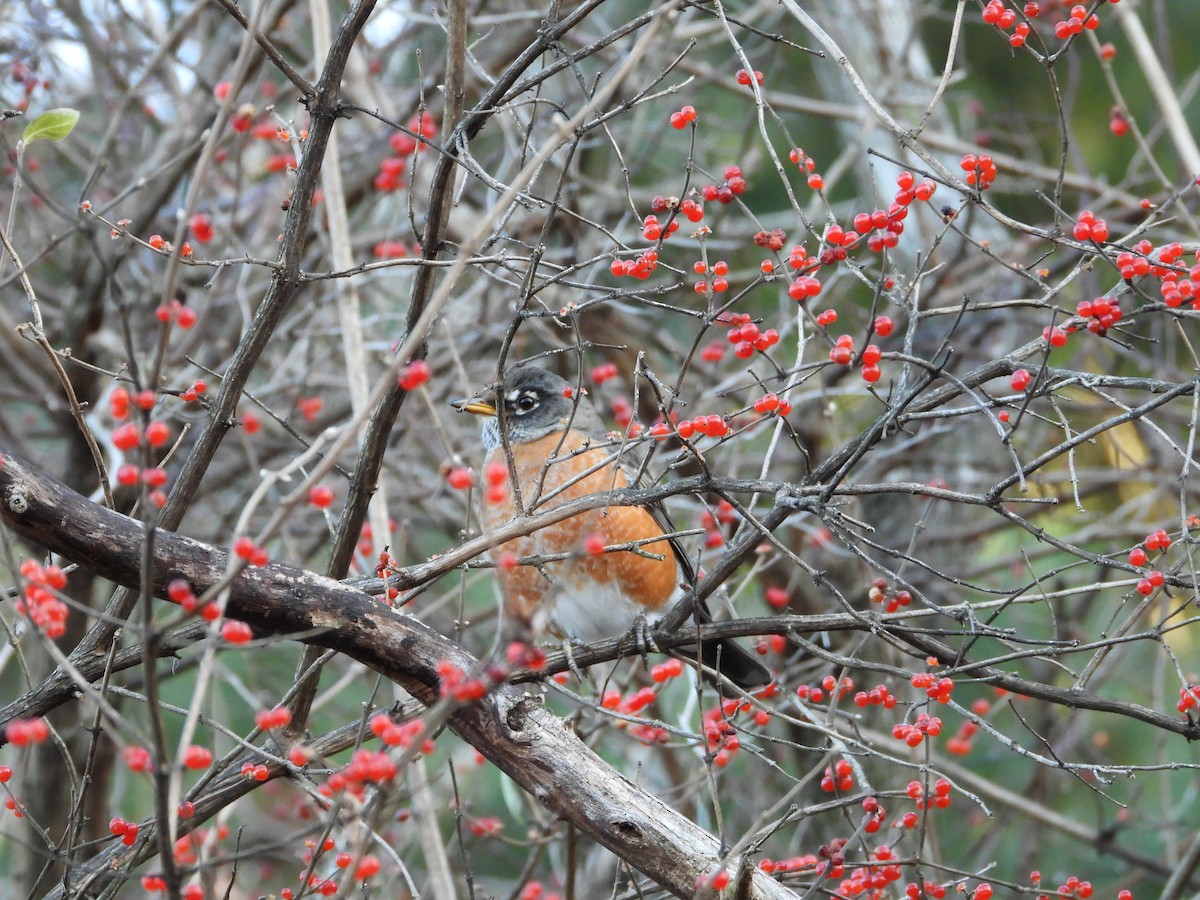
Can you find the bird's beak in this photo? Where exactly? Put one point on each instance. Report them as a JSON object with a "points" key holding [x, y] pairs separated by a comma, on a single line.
{"points": [[475, 405]]}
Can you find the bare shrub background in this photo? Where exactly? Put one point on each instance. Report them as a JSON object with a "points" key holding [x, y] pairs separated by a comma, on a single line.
{"points": [[551, 141]]}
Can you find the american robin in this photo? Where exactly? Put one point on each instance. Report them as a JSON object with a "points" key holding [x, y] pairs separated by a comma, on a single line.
{"points": [[559, 454]]}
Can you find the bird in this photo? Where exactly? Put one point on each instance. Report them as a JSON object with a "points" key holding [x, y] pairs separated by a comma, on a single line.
{"points": [[559, 453]]}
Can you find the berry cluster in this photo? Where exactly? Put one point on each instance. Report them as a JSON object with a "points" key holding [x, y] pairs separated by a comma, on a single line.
{"points": [[26, 732], [733, 185], [462, 688], [126, 831], [367, 867], [309, 407], [1175, 284], [807, 165], [685, 116], [1076, 23], [641, 268], [806, 863], [522, 655], [713, 521], [1004, 18], [871, 881], [187, 848], [155, 884], [770, 240], [1101, 314], [832, 858], [652, 231], [534, 890], [940, 798], [881, 592], [771, 404], [838, 777], [1054, 335], [395, 250], [21, 73], [1072, 887], [631, 705], [913, 734], [960, 743], [924, 891], [495, 477], [245, 548], [720, 734], [160, 244], [39, 600], [746, 337], [935, 688], [876, 816], [715, 281], [404, 144], [881, 230], [1089, 228], [1155, 541], [842, 354], [980, 170], [1189, 698], [713, 425], [401, 734], [645, 732], [271, 719], [829, 686], [665, 671], [996, 13], [365, 767], [255, 771], [876, 696], [129, 437], [604, 372], [179, 590]]}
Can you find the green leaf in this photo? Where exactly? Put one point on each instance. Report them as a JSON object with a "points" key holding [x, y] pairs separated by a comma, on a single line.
{"points": [[53, 124]]}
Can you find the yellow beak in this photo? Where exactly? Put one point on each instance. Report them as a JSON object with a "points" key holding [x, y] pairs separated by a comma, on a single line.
{"points": [[476, 406]]}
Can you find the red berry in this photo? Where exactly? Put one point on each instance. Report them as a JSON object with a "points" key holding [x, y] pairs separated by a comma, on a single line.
{"points": [[136, 759], [157, 433], [236, 632], [415, 374], [202, 229], [197, 757], [126, 437], [777, 596], [460, 478]]}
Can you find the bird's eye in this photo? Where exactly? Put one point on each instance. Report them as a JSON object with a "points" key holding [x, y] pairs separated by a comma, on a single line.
{"points": [[526, 402]]}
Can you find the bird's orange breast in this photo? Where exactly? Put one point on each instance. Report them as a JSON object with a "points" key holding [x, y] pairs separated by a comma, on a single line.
{"points": [[550, 472]]}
